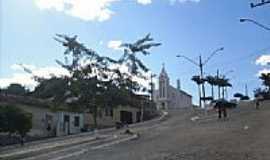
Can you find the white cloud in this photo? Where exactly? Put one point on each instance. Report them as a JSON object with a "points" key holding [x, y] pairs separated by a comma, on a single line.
{"points": [[88, 10], [265, 70], [26, 79], [58, 5], [183, 1], [263, 60], [21, 78], [18, 67], [144, 2], [114, 44]]}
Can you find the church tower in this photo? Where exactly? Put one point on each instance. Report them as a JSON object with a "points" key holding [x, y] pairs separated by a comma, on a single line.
{"points": [[164, 82]]}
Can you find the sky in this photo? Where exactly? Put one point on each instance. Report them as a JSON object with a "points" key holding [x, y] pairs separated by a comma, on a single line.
{"points": [[186, 27]]}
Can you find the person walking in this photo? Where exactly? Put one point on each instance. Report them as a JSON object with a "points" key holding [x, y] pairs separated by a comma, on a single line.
{"points": [[222, 109], [257, 104]]}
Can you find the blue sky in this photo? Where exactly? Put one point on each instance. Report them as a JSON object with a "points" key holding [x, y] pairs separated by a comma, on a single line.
{"points": [[188, 27]]}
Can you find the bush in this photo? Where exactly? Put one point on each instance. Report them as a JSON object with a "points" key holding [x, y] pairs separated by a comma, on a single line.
{"points": [[13, 120]]}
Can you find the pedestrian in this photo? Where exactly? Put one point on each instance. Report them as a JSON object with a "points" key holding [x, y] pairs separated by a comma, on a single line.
{"points": [[222, 110], [22, 140], [257, 103]]}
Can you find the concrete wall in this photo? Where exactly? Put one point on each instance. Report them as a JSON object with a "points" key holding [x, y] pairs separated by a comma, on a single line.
{"points": [[118, 110], [62, 126], [39, 127], [43, 118], [104, 120]]}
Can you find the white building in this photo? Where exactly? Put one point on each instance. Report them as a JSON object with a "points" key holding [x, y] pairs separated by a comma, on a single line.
{"points": [[169, 97]]}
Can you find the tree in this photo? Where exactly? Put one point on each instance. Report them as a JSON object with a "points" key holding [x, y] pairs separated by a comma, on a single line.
{"points": [[223, 83], [13, 120], [238, 95], [199, 81], [88, 73], [265, 77], [129, 58], [16, 89], [93, 83], [244, 98], [54, 89], [134, 64]]}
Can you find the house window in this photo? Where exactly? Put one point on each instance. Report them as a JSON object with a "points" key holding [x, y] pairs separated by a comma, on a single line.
{"points": [[77, 121]]}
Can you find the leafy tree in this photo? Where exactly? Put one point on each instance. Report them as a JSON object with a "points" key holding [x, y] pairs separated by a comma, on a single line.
{"points": [[265, 77], [135, 65], [238, 95], [16, 89], [244, 98], [263, 92], [13, 120], [55, 89], [88, 73], [130, 58], [92, 81]]}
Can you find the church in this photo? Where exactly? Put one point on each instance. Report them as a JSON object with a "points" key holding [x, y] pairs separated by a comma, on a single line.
{"points": [[169, 97]]}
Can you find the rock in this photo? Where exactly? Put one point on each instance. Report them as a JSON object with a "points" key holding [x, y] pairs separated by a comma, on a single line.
{"points": [[195, 118]]}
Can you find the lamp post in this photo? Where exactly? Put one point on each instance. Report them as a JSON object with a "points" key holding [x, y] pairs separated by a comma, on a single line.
{"points": [[255, 22], [201, 64], [263, 2]]}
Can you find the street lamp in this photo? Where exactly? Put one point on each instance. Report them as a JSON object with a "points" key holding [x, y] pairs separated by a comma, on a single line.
{"points": [[254, 22], [201, 65], [263, 2]]}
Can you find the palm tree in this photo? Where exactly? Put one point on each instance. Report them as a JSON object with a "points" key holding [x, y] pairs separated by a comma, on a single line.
{"points": [[224, 83], [212, 81], [199, 81]]}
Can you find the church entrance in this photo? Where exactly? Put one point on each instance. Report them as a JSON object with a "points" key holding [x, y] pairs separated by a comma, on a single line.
{"points": [[163, 105]]}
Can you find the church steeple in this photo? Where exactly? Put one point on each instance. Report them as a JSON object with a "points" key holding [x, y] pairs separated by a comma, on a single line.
{"points": [[163, 72], [163, 83]]}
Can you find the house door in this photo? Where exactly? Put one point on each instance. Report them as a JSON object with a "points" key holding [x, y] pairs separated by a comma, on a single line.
{"points": [[67, 124], [163, 106], [138, 116], [126, 117]]}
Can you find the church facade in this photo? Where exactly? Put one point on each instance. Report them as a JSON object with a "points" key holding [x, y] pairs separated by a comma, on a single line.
{"points": [[169, 97]]}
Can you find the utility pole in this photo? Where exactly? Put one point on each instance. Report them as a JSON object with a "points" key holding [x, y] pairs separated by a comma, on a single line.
{"points": [[263, 2], [218, 86], [201, 71], [201, 65], [246, 89]]}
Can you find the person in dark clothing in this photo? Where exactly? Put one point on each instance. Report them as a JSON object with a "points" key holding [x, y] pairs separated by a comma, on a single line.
{"points": [[22, 140], [222, 110], [257, 104]]}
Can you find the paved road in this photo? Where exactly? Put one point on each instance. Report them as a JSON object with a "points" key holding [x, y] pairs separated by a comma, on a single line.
{"points": [[244, 136]]}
